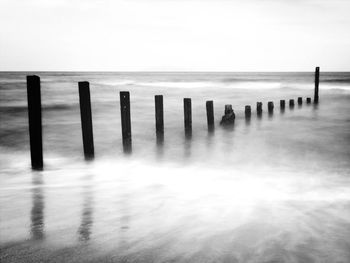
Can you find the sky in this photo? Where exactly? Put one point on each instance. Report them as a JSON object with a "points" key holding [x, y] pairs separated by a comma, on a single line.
{"points": [[174, 35]]}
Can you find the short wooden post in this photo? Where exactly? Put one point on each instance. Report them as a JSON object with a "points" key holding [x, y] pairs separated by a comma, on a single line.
{"points": [[228, 109], [247, 111], [125, 117], [291, 103], [229, 117], [270, 107], [282, 104], [300, 101], [35, 125], [188, 114], [308, 100], [158, 99], [210, 114], [317, 80], [86, 119], [259, 108]]}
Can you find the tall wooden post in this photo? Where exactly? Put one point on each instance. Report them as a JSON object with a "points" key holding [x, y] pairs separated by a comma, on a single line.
{"points": [[125, 118], [282, 104], [188, 114], [259, 108], [86, 119], [300, 101], [317, 80], [210, 114], [247, 111], [158, 100], [35, 125], [291, 103], [270, 107]]}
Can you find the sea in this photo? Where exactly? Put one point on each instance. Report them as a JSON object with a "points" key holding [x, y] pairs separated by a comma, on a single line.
{"points": [[272, 188]]}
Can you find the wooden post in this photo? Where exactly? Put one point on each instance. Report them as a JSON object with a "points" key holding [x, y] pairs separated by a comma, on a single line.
{"points": [[158, 99], [300, 101], [210, 114], [270, 107], [125, 117], [259, 108], [282, 104], [308, 100], [187, 114], [291, 103], [35, 125], [86, 119], [247, 111], [317, 80]]}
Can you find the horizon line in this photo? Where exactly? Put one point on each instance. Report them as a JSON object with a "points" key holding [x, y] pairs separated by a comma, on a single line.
{"points": [[165, 71]]}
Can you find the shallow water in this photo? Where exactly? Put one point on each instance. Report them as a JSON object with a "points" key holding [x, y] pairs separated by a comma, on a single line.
{"points": [[274, 189]]}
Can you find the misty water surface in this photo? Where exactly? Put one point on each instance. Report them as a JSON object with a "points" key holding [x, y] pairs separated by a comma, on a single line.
{"points": [[272, 189]]}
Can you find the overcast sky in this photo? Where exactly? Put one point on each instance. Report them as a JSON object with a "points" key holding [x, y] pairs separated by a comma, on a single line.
{"points": [[175, 35]]}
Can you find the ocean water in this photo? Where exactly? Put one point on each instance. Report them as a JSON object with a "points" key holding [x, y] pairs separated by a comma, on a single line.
{"points": [[272, 189]]}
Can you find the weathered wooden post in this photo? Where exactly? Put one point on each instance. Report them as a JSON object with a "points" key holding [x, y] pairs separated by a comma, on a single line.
{"points": [[86, 119], [291, 103], [125, 119], [317, 80], [35, 125], [308, 100], [300, 101], [259, 108], [188, 114], [158, 99], [247, 111], [282, 104], [270, 107], [229, 117], [210, 114]]}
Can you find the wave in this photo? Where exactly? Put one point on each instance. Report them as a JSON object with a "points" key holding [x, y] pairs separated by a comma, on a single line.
{"points": [[24, 108], [125, 82], [245, 85], [342, 80]]}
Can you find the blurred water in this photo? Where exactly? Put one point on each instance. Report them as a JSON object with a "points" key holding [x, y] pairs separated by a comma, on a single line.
{"points": [[275, 189]]}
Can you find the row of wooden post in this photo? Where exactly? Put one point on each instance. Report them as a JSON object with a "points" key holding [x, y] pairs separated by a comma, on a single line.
{"points": [[35, 119]]}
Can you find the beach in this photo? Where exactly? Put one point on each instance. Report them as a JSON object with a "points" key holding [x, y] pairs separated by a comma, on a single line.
{"points": [[271, 189]]}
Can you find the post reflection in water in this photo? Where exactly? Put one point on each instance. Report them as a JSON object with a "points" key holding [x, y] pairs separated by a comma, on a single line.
{"points": [[228, 137], [124, 216], [84, 230], [270, 114], [247, 121], [37, 212], [247, 125], [127, 147], [160, 144], [210, 136], [187, 145]]}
